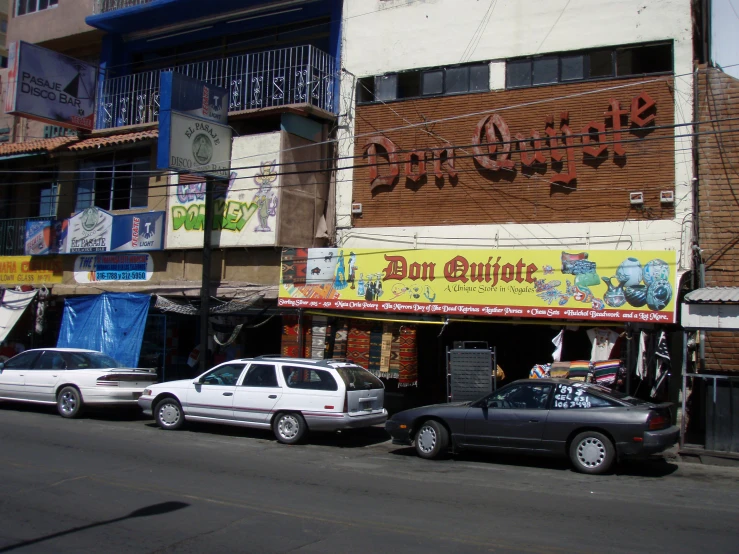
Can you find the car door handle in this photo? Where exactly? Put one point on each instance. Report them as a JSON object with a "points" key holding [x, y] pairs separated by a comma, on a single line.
{"points": [[533, 421], [228, 394], [272, 396]]}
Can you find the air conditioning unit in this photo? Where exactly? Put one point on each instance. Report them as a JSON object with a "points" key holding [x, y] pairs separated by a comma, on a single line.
{"points": [[667, 197], [356, 208], [636, 198]]}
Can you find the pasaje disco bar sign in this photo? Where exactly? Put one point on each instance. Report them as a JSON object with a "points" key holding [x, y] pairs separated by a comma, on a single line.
{"points": [[495, 147], [600, 285]]}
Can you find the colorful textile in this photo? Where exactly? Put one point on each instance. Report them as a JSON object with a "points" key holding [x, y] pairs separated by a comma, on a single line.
{"points": [[342, 332], [539, 371], [559, 369], [605, 372], [387, 342], [395, 352], [290, 347], [294, 271], [579, 370], [358, 344], [307, 338], [408, 357], [375, 348], [318, 337]]}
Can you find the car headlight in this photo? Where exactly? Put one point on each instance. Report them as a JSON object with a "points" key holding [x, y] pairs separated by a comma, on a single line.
{"points": [[147, 392]]}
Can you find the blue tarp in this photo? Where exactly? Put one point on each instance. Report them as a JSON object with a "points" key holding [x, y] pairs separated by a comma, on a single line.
{"points": [[112, 322]]}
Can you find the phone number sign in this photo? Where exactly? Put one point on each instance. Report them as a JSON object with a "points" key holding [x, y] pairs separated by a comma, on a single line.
{"points": [[121, 268]]}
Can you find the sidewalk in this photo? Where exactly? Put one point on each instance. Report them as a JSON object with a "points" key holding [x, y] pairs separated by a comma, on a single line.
{"points": [[692, 454]]}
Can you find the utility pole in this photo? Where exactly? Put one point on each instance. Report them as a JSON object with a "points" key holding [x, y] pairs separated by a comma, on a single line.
{"points": [[205, 281]]}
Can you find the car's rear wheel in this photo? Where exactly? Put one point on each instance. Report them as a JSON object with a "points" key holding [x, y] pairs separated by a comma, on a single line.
{"points": [[69, 402], [289, 427], [168, 414], [432, 440], [592, 452]]}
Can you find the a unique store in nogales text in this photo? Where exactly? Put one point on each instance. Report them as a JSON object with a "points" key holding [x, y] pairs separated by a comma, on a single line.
{"points": [[507, 225]]}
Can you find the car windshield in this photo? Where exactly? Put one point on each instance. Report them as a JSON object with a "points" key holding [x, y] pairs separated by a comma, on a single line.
{"points": [[623, 397], [90, 360], [358, 378]]}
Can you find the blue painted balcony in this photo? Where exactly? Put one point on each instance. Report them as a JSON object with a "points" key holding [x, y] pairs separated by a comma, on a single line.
{"points": [[288, 76], [105, 6]]}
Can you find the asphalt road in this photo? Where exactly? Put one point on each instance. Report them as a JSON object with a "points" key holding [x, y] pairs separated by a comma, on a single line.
{"points": [[117, 484]]}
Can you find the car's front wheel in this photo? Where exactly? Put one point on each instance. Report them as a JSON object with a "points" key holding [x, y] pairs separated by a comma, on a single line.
{"points": [[289, 428], [168, 414], [69, 402], [592, 452], [432, 440]]}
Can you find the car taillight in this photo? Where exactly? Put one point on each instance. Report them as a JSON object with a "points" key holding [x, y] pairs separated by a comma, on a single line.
{"points": [[656, 421]]}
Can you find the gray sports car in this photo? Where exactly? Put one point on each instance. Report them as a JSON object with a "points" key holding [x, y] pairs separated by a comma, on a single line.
{"points": [[589, 423]]}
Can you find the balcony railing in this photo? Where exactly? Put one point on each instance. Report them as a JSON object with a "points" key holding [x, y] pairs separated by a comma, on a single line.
{"points": [[104, 6], [13, 235], [298, 75]]}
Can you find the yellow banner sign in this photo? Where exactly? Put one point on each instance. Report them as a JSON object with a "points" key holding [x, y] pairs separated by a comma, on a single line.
{"points": [[585, 285], [27, 270]]}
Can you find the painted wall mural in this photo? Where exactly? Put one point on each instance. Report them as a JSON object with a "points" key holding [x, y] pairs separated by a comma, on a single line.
{"points": [[245, 206]]}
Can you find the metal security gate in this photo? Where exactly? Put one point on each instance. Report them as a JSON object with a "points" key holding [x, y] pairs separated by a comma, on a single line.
{"points": [[470, 373]]}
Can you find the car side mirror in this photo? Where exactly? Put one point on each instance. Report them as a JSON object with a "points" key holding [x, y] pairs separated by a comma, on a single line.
{"points": [[198, 381], [2, 366]]}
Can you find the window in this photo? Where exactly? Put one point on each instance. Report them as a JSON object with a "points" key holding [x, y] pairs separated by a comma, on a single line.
{"points": [[260, 375], [24, 360], [120, 184], [568, 397], [530, 396], [29, 6], [603, 63], [49, 196], [90, 360], [306, 378], [223, 375], [427, 82], [358, 378], [3, 25], [51, 360]]}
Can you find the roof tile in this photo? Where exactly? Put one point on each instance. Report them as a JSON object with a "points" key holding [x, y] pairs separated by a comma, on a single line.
{"points": [[113, 140], [39, 145], [713, 294]]}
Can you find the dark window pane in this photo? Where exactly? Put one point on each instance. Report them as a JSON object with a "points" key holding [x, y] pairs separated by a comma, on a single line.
{"points": [[140, 186], [366, 89], [601, 63], [23, 360], [546, 70], [103, 184], [457, 80], [432, 82], [409, 84], [43, 4], [518, 74], [644, 59], [122, 187], [479, 78], [572, 68], [386, 87], [261, 376]]}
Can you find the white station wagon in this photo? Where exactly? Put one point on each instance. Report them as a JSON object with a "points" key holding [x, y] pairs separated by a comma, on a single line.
{"points": [[71, 378], [289, 395]]}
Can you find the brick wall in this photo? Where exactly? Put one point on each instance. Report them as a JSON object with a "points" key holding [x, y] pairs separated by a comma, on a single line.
{"points": [[718, 199], [518, 195]]}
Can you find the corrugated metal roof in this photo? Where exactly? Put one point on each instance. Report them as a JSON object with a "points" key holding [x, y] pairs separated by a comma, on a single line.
{"points": [[713, 294]]}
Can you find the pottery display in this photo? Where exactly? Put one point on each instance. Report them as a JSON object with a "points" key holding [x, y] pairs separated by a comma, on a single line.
{"points": [[636, 295], [614, 296], [629, 272], [656, 270], [587, 279], [659, 294]]}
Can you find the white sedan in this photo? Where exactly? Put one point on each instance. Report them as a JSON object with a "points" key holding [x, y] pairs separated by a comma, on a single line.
{"points": [[71, 378]]}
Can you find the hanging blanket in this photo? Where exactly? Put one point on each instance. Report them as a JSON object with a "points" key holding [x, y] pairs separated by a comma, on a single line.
{"points": [[342, 331], [387, 342], [559, 369], [375, 349], [290, 337], [408, 357], [318, 342], [358, 344]]}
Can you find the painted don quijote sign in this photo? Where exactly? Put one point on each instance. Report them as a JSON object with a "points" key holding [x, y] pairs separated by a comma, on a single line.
{"points": [[526, 156]]}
